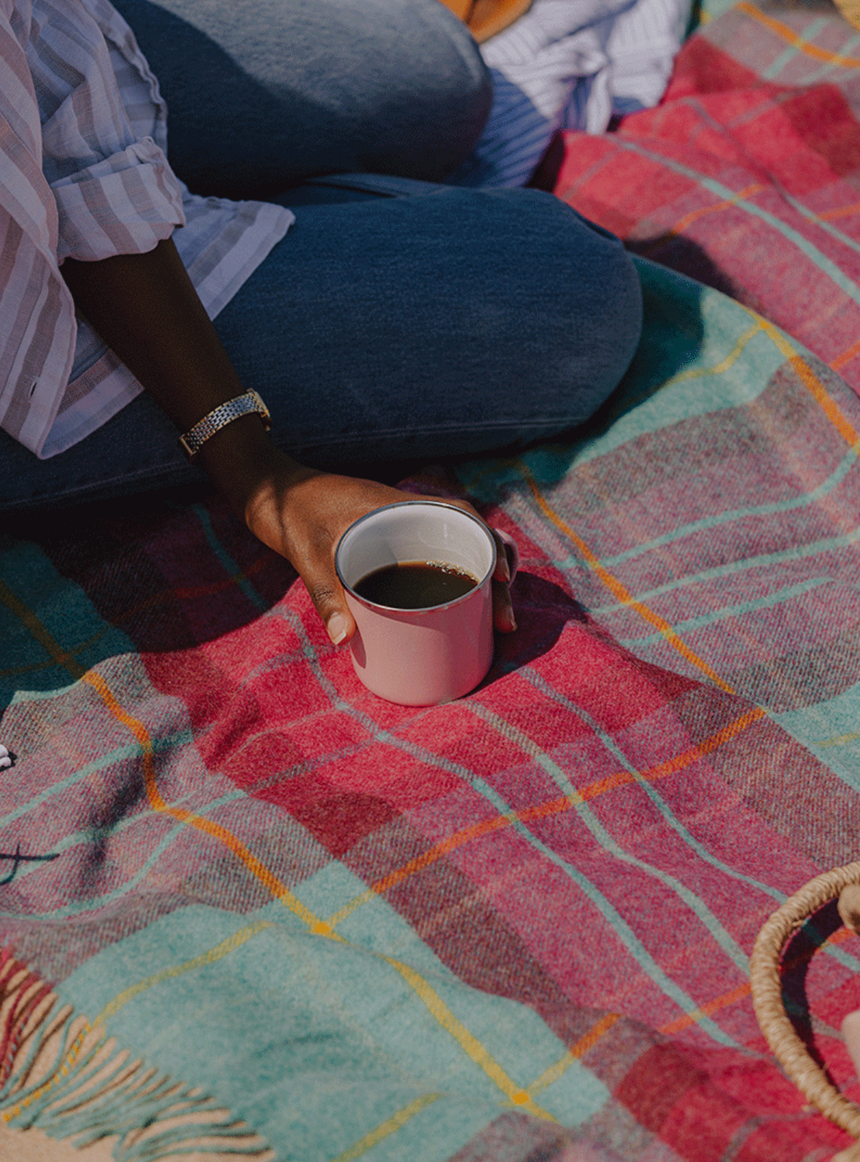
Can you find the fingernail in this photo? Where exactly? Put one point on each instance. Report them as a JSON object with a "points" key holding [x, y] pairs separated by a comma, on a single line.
{"points": [[336, 627]]}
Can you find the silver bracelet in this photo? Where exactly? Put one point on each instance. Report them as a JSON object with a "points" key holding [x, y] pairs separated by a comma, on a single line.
{"points": [[219, 417]]}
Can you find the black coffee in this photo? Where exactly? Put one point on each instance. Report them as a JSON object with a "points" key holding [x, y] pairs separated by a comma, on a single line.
{"points": [[415, 584]]}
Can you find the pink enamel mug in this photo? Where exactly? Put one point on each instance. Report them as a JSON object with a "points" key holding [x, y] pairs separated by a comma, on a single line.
{"points": [[432, 654]]}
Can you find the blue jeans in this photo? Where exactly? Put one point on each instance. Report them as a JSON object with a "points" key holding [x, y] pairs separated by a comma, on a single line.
{"points": [[399, 319]]}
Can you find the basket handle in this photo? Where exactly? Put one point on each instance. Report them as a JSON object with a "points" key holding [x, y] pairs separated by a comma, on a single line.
{"points": [[766, 986]]}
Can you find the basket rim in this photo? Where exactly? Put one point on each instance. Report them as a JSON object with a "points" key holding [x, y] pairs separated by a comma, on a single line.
{"points": [[766, 988]]}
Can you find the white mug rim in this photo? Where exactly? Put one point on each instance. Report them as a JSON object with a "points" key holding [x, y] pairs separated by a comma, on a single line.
{"points": [[423, 609]]}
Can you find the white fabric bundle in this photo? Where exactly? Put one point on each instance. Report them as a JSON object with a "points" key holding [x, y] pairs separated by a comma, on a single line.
{"points": [[571, 64]]}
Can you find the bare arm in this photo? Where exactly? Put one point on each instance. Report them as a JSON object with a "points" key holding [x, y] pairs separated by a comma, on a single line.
{"points": [[146, 309]]}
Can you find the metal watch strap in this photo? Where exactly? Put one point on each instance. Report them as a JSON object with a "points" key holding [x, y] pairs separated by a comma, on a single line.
{"points": [[219, 417]]}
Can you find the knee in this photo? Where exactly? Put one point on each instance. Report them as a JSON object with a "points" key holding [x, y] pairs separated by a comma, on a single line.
{"points": [[615, 312], [564, 297], [597, 306]]}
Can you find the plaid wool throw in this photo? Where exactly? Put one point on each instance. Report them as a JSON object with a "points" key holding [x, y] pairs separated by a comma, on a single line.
{"points": [[515, 926], [247, 908]]}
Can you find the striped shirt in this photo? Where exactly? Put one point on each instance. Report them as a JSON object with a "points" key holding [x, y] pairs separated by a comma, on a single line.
{"points": [[571, 65], [83, 174]]}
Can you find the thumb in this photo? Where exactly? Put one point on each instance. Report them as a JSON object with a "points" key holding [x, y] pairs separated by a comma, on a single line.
{"points": [[327, 595]]}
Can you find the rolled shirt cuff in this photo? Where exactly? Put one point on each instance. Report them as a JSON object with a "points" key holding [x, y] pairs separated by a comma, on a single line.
{"points": [[123, 204]]}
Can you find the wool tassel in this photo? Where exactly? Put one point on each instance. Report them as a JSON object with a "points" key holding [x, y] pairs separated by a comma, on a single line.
{"points": [[66, 1077]]}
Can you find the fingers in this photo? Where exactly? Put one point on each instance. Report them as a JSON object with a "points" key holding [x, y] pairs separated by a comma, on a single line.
{"points": [[503, 610], [506, 561], [327, 596], [302, 514], [326, 593], [508, 556], [502, 572]]}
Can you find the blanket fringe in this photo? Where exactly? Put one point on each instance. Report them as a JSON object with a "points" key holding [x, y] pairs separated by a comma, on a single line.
{"points": [[65, 1076]]}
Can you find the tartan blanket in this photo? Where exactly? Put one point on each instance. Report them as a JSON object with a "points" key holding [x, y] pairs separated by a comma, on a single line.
{"points": [[249, 909], [746, 175]]}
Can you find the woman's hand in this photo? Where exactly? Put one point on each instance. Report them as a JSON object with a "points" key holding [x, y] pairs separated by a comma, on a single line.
{"points": [[302, 514]]}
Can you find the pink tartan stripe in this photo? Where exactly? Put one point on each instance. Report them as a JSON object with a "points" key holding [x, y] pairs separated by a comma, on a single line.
{"points": [[784, 236]]}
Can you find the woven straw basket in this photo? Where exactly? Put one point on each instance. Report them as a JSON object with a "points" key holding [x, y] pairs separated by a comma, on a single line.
{"points": [[766, 983]]}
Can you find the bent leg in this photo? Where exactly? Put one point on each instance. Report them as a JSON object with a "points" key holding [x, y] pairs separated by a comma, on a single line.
{"points": [[443, 322], [264, 93], [447, 322]]}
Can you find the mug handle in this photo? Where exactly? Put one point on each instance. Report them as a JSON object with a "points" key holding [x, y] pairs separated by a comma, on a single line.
{"points": [[513, 553]]}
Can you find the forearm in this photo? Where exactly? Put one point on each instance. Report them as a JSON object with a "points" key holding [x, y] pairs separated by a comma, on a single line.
{"points": [[147, 310]]}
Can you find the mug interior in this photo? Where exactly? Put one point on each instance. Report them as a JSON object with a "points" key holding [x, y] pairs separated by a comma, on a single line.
{"points": [[415, 531]]}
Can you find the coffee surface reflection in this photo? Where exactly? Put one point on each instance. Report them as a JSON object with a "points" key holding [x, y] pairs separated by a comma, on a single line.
{"points": [[415, 584]]}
